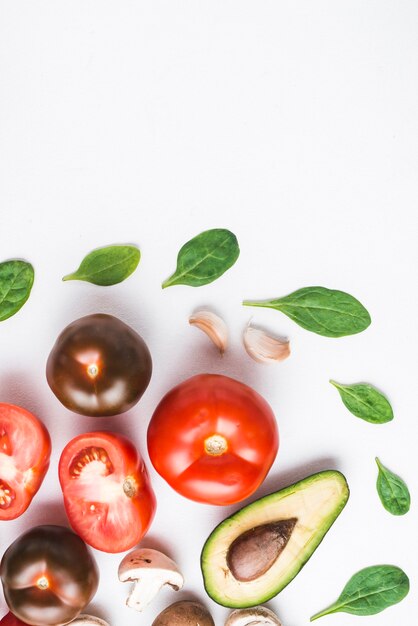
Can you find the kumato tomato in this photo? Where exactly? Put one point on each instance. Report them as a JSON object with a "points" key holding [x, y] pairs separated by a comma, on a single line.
{"points": [[213, 439], [107, 493], [99, 366], [25, 448], [48, 575]]}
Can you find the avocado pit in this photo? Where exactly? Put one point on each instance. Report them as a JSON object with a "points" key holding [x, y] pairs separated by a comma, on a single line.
{"points": [[253, 553]]}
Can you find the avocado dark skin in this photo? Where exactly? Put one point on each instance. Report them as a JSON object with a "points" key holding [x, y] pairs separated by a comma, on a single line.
{"points": [[48, 575]]}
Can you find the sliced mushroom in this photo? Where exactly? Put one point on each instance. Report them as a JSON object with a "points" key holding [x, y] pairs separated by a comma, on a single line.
{"points": [[149, 570], [88, 620], [256, 616], [184, 613]]}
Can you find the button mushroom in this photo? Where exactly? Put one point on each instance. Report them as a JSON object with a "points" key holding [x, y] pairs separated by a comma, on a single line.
{"points": [[256, 616], [185, 613], [88, 620], [149, 570]]}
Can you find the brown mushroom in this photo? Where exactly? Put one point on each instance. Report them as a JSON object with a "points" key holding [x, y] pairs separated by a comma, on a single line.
{"points": [[185, 613]]}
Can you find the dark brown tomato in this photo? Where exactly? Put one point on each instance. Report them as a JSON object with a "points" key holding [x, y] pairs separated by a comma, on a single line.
{"points": [[99, 366], [48, 576]]}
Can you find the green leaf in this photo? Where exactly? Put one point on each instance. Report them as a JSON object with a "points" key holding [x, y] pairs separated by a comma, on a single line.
{"points": [[204, 258], [370, 591], [323, 311], [365, 401], [393, 491], [16, 280], [107, 266]]}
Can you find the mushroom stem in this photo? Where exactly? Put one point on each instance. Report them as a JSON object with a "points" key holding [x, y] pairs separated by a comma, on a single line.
{"points": [[143, 593]]}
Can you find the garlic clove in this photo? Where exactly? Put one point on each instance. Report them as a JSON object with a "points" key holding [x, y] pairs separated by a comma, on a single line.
{"points": [[213, 325], [265, 348]]}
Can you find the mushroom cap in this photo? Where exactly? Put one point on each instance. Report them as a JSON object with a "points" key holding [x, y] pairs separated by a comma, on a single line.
{"points": [[88, 620], [144, 563], [184, 613], [255, 616]]}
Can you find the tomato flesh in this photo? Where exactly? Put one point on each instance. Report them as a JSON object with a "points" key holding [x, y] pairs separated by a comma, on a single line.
{"points": [[213, 439], [25, 449], [107, 493]]}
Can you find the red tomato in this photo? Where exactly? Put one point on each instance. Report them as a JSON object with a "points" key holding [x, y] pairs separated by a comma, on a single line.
{"points": [[107, 493], [213, 439], [25, 448], [11, 620]]}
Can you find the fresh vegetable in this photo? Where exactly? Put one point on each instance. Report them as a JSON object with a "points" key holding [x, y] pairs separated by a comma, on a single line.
{"points": [[204, 258], [107, 266], [11, 620], [107, 493], [263, 347], [16, 281], [25, 448], [323, 311], [88, 620], [393, 491], [255, 616], [213, 439], [99, 366], [185, 613], [213, 326], [48, 576], [365, 401], [253, 554], [370, 591], [150, 571]]}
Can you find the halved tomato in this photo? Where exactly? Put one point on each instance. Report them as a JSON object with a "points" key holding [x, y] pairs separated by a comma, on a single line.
{"points": [[107, 492], [25, 448]]}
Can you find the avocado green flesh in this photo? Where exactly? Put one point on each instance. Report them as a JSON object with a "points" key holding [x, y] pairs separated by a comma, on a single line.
{"points": [[315, 502]]}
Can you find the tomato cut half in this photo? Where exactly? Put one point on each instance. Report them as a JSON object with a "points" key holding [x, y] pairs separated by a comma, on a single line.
{"points": [[213, 439], [25, 449], [107, 492]]}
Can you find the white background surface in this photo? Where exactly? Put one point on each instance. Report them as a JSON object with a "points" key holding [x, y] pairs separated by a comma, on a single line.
{"points": [[294, 124]]}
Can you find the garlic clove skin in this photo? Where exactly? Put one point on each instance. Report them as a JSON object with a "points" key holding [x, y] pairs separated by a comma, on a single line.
{"points": [[265, 348], [214, 327], [255, 616]]}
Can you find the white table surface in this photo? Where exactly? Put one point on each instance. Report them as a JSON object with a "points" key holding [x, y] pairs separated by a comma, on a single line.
{"points": [[294, 124]]}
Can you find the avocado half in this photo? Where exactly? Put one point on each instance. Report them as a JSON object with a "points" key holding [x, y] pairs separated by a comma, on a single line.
{"points": [[252, 555]]}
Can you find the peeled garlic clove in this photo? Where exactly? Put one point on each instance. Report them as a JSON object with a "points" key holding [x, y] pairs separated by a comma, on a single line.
{"points": [[213, 326], [264, 348]]}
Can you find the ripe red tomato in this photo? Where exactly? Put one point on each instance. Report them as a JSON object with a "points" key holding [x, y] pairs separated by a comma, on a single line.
{"points": [[107, 493], [213, 439], [11, 620], [25, 448]]}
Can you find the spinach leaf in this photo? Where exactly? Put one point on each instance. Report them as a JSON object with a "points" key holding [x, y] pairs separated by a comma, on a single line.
{"points": [[16, 280], [323, 311], [365, 401], [107, 266], [370, 591], [204, 258], [393, 491]]}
